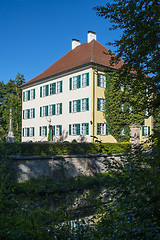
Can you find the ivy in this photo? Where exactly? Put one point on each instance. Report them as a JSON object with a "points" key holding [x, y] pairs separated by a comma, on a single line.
{"points": [[124, 103]]}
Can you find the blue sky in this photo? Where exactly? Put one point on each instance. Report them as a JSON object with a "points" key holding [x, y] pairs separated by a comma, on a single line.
{"points": [[36, 33]]}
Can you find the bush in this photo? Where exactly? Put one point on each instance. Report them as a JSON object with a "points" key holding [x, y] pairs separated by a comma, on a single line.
{"points": [[43, 149]]}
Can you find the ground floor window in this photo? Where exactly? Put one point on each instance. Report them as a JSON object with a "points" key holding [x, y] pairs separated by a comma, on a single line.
{"points": [[146, 131], [102, 129], [79, 129], [43, 131], [28, 132]]}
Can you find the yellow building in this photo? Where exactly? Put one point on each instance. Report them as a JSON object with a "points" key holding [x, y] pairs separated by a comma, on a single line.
{"points": [[66, 101]]}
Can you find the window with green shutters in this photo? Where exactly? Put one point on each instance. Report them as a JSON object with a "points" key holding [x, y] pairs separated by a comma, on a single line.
{"points": [[145, 131], [60, 86], [43, 131], [101, 80], [28, 95], [79, 81], [57, 130], [98, 104], [102, 129], [79, 105], [79, 129], [28, 113], [28, 132]]}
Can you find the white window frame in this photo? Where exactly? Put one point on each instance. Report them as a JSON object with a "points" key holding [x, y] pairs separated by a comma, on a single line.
{"points": [[74, 130], [122, 107], [50, 110], [84, 80], [121, 87], [130, 109], [50, 89], [31, 112], [58, 87], [57, 130], [102, 81], [83, 129], [57, 108], [31, 131], [122, 131], [43, 111], [102, 104], [74, 103], [145, 131], [74, 83], [25, 114], [43, 131], [31, 94], [84, 104], [102, 129]]}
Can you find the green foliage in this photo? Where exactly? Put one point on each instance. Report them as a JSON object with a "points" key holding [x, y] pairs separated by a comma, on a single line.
{"points": [[11, 97], [43, 149], [132, 95]]}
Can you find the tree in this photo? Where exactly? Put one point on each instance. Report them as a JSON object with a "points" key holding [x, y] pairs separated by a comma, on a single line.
{"points": [[11, 97], [139, 45]]}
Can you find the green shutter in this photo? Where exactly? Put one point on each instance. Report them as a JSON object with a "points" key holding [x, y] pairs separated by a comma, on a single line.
{"points": [[70, 84], [149, 131], [60, 130], [54, 130], [87, 79], [69, 129], [33, 131], [23, 132], [142, 130], [60, 108], [78, 81], [27, 132], [78, 105], [23, 96], [40, 91], [77, 129], [98, 129], [70, 106], [60, 86], [33, 112], [40, 131], [47, 90], [87, 128], [45, 130], [28, 113], [23, 114], [28, 95], [98, 104], [40, 113], [33, 93], [98, 79], [46, 110], [87, 104], [53, 109], [53, 88], [107, 129]]}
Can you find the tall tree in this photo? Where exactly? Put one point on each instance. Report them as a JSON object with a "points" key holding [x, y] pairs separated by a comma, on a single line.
{"points": [[11, 97], [139, 45]]}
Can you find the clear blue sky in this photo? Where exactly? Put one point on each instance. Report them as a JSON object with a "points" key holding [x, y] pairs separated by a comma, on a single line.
{"points": [[36, 33]]}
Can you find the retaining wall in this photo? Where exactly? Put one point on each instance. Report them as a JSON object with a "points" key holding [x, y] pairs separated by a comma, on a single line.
{"points": [[27, 167]]}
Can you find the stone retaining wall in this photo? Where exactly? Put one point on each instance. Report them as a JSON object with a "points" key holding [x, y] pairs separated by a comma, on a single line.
{"points": [[27, 167]]}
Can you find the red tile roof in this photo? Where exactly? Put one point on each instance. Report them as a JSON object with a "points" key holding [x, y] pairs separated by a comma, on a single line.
{"points": [[92, 52]]}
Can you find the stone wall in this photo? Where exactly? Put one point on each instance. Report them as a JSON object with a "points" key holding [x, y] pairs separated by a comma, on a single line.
{"points": [[58, 167]]}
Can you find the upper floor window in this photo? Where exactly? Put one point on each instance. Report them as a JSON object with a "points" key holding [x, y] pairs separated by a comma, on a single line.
{"points": [[101, 80], [29, 113], [100, 104], [51, 89], [53, 109], [28, 95], [146, 131], [79, 105], [79, 81]]}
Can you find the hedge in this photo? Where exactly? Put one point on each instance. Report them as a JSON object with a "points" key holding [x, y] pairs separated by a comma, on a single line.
{"points": [[45, 149]]}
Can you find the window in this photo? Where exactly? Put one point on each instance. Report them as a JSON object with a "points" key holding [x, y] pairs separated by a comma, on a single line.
{"points": [[29, 113], [122, 131], [32, 94], [79, 105], [74, 105], [85, 79], [58, 108], [146, 131], [100, 104], [58, 130], [130, 109], [54, 109], [51, 89], [102, 129], [28, 95], [101, 80], [121, 87], [28, 132], [43, 131], [79, 129], [74, 82]]}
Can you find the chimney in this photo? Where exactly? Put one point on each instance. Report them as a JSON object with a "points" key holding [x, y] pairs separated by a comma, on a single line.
{"points": [[75, 43], [91, 36]]}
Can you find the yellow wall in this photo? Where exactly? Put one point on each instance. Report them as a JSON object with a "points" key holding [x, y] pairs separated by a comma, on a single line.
{"points": [[147, 122], [98, 92]]}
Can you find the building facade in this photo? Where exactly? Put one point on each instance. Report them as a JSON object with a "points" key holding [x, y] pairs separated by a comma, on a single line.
{"points": [[66, 101]]}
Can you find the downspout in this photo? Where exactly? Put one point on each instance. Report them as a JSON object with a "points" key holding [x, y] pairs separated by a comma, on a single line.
{"points": [[93, 105]]}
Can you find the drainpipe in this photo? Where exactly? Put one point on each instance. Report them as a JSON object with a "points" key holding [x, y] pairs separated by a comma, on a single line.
{"points": [[93, 104]]}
